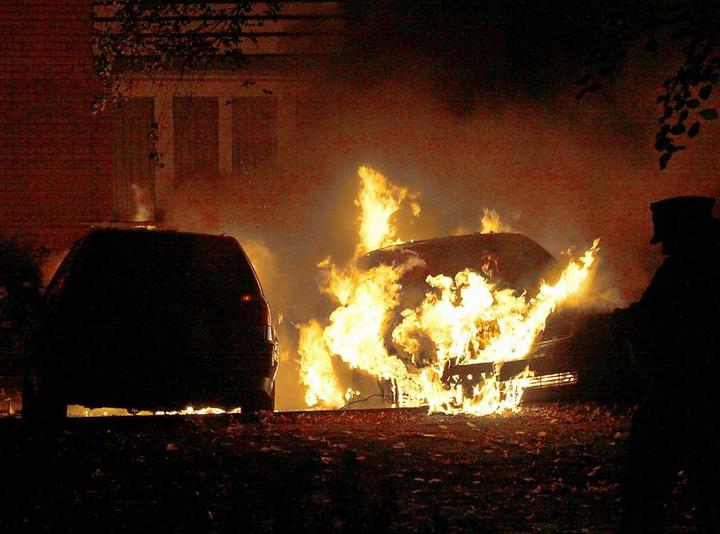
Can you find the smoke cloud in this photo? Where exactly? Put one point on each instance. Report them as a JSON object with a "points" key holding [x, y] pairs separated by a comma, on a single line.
{"points": [[562, 172], [511, 138]]}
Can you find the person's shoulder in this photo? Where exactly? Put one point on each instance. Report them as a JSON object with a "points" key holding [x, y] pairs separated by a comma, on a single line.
{"points": [[672, 269]]}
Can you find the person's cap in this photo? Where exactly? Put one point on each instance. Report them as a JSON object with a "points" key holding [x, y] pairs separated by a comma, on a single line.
{"points": [[686, 212]]}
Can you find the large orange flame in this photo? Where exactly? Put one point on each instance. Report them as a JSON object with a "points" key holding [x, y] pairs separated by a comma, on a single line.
{"points": [[465, 317], [378, 200]]}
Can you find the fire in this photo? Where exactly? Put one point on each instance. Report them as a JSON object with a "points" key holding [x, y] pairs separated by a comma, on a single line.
{"points": [[464, 318], [76, 410], [143, 203], [316, 370], [472, 322], [490, 223], [378, 201], [519, 333], [490, 396], [364, 298]]}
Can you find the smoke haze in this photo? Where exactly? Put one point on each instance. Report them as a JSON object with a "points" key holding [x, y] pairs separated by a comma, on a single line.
{"points": [[562, 173], [461, 139]]}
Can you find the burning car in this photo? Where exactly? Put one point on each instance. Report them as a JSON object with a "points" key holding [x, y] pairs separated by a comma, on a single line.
{"points": [[151, 320], [507, 261], [459, 324]]}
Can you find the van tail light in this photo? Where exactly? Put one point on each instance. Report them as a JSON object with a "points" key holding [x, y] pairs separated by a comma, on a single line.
{"points": [[258, 308]]}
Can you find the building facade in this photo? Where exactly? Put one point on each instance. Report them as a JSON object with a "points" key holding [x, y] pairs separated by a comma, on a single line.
{"points": [[223, 127], [63, 168]]}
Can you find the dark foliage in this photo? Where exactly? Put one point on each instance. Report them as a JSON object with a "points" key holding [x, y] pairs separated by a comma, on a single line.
{"points": [[685, 30], [156, 36], [20, 280]]}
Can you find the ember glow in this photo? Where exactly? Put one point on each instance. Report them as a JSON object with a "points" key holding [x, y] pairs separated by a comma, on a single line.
{"points": [[143, 204], [463, 317], [75, 410]]}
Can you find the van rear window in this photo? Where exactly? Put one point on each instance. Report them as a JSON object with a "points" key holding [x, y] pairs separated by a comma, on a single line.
{"points": [[174, 261], [165, 266]]}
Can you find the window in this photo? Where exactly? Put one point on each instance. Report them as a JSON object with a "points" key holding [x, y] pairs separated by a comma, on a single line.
{"points": [[195, 121], [133, 168], [254, 134]]}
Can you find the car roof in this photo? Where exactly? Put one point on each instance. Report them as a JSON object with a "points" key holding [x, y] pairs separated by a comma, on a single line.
{"points": [[518, 258], [150, 230], [163, 249]]}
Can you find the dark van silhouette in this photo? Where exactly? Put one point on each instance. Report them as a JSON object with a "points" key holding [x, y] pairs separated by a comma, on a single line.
{"points": [[152, 320]]}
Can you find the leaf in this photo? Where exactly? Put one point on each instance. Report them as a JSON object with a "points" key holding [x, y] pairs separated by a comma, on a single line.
{"points": [[664, 160], [709, 114], [588, 89], [662, 143], [705, 92], [694, 130], [594, 471], [678, 129]]}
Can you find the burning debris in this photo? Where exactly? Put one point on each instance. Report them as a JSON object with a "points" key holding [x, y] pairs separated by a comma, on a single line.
{"points": [[464, 319]]}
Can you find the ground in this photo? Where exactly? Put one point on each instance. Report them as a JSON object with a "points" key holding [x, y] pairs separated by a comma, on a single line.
{"points": [[550, 468]]}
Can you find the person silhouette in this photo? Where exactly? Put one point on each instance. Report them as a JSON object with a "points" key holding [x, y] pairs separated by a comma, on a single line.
{"points": [[675, 332]]}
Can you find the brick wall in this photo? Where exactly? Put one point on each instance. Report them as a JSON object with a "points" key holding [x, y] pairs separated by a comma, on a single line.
{"points": [[55, 158]]}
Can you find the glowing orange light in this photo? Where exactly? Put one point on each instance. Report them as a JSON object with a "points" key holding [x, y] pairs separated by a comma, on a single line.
{"points": [[464, 317]]}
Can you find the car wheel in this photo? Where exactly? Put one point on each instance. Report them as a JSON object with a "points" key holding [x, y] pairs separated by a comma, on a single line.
{"points": [[260, 403]]}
